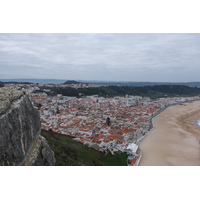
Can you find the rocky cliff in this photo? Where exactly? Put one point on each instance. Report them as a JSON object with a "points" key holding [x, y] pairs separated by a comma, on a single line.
{"points": [[20, 140]]}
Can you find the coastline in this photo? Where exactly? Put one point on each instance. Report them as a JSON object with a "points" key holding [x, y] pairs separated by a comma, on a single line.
{"points": [[174, 139]]}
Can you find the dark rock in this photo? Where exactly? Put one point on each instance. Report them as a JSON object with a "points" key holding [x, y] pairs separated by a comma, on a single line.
{"points": [[19, 129], [45, 155]]}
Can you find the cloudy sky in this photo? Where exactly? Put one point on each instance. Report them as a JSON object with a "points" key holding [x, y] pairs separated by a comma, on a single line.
{"points": [[115, 57]]}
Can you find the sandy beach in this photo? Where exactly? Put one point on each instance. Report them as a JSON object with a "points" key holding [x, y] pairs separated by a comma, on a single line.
{"points": [[175, 139]]}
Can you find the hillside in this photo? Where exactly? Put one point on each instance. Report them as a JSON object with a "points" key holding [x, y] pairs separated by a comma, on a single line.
{"points": [[69, 152], [153, 92]]}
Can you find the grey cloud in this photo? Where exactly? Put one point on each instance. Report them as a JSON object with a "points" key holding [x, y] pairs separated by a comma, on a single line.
{"points": [[132, 57]]}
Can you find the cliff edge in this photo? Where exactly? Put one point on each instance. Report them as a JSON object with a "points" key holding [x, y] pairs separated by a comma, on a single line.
{"points": [[20, 139]]}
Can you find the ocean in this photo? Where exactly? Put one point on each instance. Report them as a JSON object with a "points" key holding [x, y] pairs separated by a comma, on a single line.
{"points": [[198, 122]]}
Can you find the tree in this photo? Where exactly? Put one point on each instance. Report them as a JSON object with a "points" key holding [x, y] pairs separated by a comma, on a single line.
{"points": [[108, 121]]}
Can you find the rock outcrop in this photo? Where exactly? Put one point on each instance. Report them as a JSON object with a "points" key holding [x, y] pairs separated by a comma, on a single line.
{"points": [[20, 140]]}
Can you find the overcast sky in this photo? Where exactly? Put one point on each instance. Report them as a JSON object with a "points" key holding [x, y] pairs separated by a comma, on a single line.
{"points": [[115, 57]]}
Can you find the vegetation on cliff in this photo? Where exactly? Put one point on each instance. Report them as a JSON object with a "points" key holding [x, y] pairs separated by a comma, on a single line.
{"points": [[69, 152]]}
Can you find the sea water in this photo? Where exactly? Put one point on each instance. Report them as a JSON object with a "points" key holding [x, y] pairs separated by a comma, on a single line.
{"points": [[198, 122]]}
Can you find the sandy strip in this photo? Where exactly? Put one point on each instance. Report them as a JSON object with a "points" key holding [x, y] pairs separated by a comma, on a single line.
{"points": [[175, 140]]}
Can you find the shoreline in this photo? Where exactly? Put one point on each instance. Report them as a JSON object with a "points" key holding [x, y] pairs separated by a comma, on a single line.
{"points": [[174, 138]]}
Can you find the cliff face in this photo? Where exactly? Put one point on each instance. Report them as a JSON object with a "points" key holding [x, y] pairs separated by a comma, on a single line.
{"points": [[20, 140]]}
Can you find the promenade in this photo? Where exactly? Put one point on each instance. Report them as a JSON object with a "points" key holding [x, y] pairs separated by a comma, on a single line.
{"points": [[175, 139]]}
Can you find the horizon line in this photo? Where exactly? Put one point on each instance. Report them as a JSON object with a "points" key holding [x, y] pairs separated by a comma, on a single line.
{"points": [[94, 80]]}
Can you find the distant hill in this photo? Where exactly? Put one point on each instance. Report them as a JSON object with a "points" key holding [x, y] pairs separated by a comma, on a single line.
{"points": [[72, 82], [41, 81], [153, 92], [129, 83], [14, 82]]}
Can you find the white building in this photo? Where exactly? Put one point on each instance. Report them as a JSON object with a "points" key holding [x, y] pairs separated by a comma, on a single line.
{"points": [[132, 148]]}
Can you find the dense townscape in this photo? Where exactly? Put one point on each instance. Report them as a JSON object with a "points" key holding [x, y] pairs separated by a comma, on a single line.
{"points": [[105, 124]]}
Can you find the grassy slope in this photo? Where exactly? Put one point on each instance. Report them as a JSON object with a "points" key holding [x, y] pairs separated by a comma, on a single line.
{"points": [[72, 153]]}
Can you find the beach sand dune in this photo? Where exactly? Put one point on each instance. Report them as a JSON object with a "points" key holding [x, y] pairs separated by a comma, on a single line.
{"points": [[175, 140]]}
